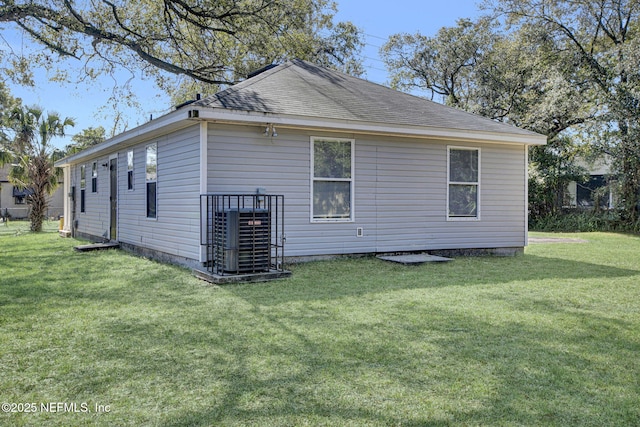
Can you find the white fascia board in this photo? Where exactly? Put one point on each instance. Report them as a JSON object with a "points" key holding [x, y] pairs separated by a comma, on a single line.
{"points": [[171, 121], [185, 117], [245, 117]]}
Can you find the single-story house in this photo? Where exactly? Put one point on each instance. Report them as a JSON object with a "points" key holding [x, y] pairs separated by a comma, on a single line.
{"points": [[13, 200], [362, 168]]}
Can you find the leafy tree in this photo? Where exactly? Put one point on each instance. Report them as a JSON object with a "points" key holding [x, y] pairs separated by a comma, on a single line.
{"points": [[32, 155], [214, 42], [6, 100], [600, 39], [510, 77], [516, 77], [443, 65], [7, 103], [551, 169], [88, 138]]}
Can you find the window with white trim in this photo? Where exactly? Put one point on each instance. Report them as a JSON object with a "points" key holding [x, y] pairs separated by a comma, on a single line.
{"points": [[463, 192], [332, 165], [151, 173], [83, 185], [130, 170], [94, 177]]}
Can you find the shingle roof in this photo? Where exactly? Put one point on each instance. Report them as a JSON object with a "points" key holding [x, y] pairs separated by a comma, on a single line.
{"points": [[299, 88]]}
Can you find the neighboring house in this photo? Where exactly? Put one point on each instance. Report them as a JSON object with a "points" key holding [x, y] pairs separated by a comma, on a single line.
{"points": [[596, 188], [13, 200], [362, 168]]}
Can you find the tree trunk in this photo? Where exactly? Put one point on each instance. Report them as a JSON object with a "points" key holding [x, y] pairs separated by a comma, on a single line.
{"points": [[37, 212], [629, 172], [38, 200], [630, 189]]}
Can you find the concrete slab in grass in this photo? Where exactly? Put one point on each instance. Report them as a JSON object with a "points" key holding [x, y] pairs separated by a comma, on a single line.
{"points": [[97, 247], [414, 259]]}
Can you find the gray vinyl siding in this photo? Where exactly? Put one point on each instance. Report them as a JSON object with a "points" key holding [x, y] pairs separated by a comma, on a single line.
{"points": [[94, 220], [400, 189], [176, 230]]}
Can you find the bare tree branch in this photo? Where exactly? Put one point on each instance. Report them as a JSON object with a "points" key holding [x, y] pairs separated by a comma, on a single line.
{"points": [[211, 42]]}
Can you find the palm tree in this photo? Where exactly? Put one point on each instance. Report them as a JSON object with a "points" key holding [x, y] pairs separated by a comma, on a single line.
{"points": [[32, 156]]}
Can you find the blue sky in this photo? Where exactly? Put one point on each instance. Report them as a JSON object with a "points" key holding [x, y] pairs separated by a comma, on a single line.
{"points": [[87, 102], [381, 18]]}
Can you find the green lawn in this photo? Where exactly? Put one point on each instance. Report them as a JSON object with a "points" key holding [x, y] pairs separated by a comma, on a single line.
{"points": [[548, 338]]}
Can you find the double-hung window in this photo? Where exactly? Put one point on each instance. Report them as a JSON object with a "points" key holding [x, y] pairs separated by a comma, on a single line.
{"points": [[332, 165], [83, 185], [152, 179], [463, 194]]}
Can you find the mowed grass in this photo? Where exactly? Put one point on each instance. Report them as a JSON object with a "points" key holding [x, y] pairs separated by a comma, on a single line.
{"points": [[548, 338]]}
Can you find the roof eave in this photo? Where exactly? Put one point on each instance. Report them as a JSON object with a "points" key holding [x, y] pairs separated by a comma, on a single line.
{"points": [[169, 122], [185, 117], [373, 128]]}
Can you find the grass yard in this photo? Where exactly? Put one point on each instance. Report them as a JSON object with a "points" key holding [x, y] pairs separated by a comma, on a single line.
{"points": [[105, 338]]}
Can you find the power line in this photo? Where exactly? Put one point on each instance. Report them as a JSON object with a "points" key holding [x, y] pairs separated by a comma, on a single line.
{"points": [[373, 45], [375, 37], [371, 67], [374, 59]]}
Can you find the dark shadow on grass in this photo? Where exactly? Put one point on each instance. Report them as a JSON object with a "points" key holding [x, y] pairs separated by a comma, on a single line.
{"points": [[61, 278], [460, 369], [346, 278], [549, 374], [250, 361], [299, 392]]}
